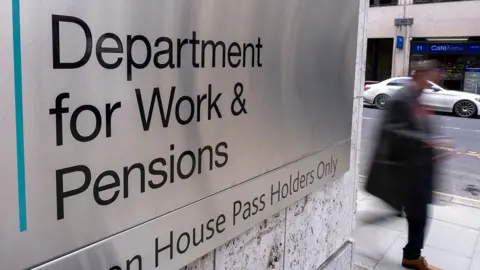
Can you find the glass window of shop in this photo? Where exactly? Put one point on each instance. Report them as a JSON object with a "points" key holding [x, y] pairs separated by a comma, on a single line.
{"points": [[460, 63]]}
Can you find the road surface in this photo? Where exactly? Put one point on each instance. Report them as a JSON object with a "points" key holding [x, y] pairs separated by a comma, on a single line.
{"points": [[459, 175]]}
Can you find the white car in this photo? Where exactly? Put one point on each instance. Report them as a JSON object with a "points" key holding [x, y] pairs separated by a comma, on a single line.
{"points": [[437, 98]]}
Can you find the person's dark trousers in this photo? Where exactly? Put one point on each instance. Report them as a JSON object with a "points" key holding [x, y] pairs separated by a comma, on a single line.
{"points": [[417, 222]]}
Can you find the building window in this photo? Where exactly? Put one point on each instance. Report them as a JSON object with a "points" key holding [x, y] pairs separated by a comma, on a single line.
{"points": [[433, 1], [460, 61], [380, 3]]}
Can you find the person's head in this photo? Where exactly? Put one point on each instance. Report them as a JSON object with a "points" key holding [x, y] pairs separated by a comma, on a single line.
{"points": [[424, 71]]}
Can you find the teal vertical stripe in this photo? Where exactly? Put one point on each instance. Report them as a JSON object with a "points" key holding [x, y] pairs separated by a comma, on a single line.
{"points": [[17, 68]]}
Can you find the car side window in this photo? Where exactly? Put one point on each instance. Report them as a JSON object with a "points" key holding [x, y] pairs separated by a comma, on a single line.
{"points": [[393, 83], [399, 82]]}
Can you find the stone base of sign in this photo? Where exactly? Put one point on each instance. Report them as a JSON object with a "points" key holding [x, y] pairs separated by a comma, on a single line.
{"points": [[342, 259]]}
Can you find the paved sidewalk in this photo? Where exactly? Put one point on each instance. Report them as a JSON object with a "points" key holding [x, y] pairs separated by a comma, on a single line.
{"points": [[452, 242]]}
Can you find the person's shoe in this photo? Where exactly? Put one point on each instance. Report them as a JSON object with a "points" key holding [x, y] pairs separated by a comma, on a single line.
{"points": [[418, 264]]}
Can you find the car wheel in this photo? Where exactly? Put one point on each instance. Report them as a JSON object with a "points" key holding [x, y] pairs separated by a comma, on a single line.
{"points": [[465, 108], [381, 101]]}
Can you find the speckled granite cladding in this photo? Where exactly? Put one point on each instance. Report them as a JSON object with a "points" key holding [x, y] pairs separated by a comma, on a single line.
{"points": [[261, 247], [341, 260], [312, 233], [203, 263], [318, 225]]}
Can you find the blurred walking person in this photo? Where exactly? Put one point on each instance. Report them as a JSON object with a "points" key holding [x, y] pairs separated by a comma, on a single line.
{"points": [[402, 172]]}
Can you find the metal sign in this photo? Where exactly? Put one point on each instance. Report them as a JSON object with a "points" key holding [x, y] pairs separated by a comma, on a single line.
{"points": [[473, 48], [403, 21], [445, 48], [131, 127], [472, 80], [399, 43], [171, 241]]}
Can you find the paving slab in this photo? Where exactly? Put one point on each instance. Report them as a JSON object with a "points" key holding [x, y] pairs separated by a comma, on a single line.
{"points": [[453, 239], [364, 261], [437, 257], [373, 241], [476, 252], [475, 265], [450, 238], [458, 214]]}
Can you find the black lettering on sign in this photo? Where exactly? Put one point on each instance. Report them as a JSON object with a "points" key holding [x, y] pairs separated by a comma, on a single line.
{"points": [[59, 110], [275, 193], [247, 209], [181, 242], [233, 53], [57, 63], [140, 63], [166, 51], [98, 187], [194, 42], [101, 50], [135, 263], [282, 190], [328, 168], [139, 50], [168, 247], [183, 108], [61, 194], [138, 178]]}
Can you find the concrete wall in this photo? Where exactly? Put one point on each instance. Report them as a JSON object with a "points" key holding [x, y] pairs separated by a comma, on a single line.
{"points": [[380, 21], [313, 233], [447, 19]]}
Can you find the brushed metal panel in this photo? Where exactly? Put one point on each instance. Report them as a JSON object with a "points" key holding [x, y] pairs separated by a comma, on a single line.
{"points": [[298, 92], [176, 239]]}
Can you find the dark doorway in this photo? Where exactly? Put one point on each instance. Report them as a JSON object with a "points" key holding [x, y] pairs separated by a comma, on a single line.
{"points": [[379, 59]]}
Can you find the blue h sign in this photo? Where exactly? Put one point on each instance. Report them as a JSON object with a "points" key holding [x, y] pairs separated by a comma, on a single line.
{"points": [[400, 42]]}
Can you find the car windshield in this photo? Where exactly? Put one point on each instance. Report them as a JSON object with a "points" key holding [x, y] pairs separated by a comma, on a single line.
{"points": [[434, 86]]}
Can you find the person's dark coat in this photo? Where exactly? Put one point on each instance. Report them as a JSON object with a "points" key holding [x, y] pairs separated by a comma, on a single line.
{"points": [[402, 171]]}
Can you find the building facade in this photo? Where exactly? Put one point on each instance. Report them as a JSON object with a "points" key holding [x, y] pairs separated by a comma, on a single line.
{"points": [[402, 31]]}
